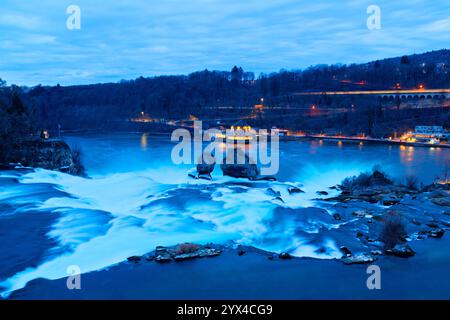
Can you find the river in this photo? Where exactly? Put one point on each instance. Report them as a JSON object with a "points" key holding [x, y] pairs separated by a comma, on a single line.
{"points": [[135, 199]]}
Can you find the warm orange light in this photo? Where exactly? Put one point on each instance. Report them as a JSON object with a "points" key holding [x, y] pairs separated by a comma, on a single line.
{"points": [[144, 141], [220, 135]]}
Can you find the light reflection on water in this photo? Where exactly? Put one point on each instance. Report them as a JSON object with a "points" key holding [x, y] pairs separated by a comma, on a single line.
{"points": [[144, 141], [151, 201], [406, 154], [105, 154]]}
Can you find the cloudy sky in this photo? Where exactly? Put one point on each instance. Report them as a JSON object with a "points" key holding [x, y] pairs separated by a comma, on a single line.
{"points": [[124, 39]]}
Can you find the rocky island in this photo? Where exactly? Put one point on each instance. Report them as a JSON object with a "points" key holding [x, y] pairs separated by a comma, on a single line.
{"points": [[22, 143]]}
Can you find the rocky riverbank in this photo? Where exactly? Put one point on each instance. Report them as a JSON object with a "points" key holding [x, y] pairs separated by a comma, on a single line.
{"points": [[248, 273], [372, 216], [54, 154], [189, 251], [388, 217]]}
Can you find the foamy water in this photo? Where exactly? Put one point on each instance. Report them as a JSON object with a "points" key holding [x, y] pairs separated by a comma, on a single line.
{"points": [[130, 208]]}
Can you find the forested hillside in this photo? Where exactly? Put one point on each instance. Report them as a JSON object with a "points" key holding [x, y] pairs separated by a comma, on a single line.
{"points": [[205, 93]]}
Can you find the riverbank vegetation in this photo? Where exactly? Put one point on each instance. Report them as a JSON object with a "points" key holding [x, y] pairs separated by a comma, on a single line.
{"points": [[16, 123], [23, 142]]}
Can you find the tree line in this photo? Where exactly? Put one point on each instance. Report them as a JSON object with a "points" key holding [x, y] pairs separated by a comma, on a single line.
{"points": [[206, 94]]}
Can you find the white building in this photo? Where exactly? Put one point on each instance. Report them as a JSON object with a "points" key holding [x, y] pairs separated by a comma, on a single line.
{"points": [[430, 132]]}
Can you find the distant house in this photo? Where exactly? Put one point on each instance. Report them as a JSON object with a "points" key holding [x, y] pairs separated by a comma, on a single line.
{"points": [[430, 133], [429, 130], [281, 132]]}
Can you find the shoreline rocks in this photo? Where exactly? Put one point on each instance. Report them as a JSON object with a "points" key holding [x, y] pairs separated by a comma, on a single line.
{"points": [[284, 256], [294, 190], [360, 258], [345, 251], [54, 154], [401, 250], [436, 233], [181, 252]]}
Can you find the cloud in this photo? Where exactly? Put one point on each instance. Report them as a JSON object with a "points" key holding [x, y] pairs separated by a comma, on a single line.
{"points": [[159, 49], [442, 25], [129, 38], [17, 20]]}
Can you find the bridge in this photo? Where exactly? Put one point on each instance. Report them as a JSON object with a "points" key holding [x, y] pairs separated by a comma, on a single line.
{"points": [[411, 94]]}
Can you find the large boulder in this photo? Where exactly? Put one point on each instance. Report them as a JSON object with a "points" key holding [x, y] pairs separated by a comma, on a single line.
{"points": [[401, 250], [204, 168], [248, 169], [52, 154]]}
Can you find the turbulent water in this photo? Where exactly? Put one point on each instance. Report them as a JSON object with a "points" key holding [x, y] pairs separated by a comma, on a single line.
{"points": [[135, 199]]}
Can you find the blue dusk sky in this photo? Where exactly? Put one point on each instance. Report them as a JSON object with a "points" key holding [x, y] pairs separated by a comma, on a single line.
{"points": [[125, 39]]}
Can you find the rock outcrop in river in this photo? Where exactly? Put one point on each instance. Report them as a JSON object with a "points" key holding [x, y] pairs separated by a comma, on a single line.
{"points": [[241, 166], [373, 188], [47, 154], [181, 252]]}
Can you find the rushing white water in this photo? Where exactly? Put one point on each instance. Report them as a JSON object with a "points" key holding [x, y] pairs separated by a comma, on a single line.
{"points": [[137, 227], [118, 212]]}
